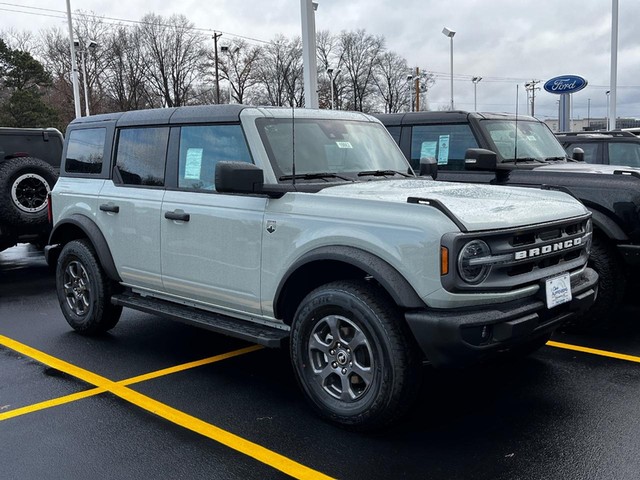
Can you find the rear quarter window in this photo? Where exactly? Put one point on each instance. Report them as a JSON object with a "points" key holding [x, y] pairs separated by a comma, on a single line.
{"points": [[85, 151]]}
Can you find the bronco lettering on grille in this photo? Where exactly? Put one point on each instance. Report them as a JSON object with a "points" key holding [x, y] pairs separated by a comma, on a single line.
{"points": [[546, 249]]}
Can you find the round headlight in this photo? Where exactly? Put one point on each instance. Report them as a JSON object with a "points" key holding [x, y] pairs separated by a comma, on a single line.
{"points": [[471, 270]]}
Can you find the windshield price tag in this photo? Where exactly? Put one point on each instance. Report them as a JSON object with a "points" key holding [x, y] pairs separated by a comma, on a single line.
{"points": [[558, 290]]}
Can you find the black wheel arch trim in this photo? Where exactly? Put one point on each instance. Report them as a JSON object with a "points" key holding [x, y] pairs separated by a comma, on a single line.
{"points": [[391, 280], [95, 236], [606, 225]]}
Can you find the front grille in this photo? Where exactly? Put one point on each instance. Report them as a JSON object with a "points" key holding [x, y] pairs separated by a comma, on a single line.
{"points": [[523, 256]]}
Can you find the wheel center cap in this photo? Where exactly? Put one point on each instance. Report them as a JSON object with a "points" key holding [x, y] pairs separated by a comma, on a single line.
{"points": [[342, 358]]}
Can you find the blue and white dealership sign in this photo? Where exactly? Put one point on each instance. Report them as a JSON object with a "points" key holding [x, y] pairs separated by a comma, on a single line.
{"points": [[565, 84]]}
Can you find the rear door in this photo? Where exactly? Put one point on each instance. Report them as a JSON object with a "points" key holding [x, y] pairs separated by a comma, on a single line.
{"points": [[129, 205]]}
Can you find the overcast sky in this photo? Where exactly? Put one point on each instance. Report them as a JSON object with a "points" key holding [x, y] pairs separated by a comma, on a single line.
{"points": [[507, 42]]}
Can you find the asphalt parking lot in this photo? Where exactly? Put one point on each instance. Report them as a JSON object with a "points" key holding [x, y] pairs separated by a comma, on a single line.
{"points": [[158, 399]]}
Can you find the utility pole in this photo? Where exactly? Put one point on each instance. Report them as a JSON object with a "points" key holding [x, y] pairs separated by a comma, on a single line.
{"points": [[531, 88], [216, 36]]}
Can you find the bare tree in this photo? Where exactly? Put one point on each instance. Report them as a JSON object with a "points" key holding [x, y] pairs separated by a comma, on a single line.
{"points": [[174, 57], [360, 54], [278, 72], [125, 82], [390, 80], [238, 66]]}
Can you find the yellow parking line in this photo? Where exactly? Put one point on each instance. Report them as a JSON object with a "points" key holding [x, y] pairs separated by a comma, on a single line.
{"points": [[253, 450], [130, 381], [593, 351]]}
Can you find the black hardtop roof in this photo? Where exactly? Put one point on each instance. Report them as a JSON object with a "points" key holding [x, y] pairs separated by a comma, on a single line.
{"points": [[174, 115], [29, 131], [599, 135], [446, 116]]}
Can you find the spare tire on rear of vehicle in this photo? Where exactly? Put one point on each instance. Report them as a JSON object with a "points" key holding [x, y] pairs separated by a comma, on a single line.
{"points": [[25, 183]]}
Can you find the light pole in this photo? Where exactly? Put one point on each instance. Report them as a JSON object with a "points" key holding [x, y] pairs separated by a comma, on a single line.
{"points": [[475, 81], [608, 118], [230, 50], [74, 65], [410, 81], [215, 37], [83, 60], [309, 60], [447, 32], [332, 86]]}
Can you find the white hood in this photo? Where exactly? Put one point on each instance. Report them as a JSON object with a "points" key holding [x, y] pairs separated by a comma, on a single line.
{"points": [[478, 207]]}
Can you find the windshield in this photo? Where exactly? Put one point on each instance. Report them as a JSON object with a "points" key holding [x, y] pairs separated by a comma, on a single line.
{"points": [[330, 149], [533, 141]]}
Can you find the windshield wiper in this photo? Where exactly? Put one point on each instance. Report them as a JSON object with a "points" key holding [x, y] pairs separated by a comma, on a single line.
{"points": [[556, 158], [526, 159], [313, 176], [382, 173]]}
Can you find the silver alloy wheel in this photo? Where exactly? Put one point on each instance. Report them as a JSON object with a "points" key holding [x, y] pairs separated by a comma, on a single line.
{"points": [[29, 192], [341, 358], [76, 288]]}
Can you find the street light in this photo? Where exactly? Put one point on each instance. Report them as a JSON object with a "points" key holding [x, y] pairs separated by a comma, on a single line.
{"points": [[332, 78], [447, 32], [82, 51], [475, 81]]}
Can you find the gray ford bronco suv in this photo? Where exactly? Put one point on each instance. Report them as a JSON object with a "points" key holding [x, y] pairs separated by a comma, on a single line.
{"points": [[308, 228]]}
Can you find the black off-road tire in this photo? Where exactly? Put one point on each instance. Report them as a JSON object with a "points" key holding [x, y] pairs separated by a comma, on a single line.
{"points": [[84, 290], [354, 356], [25, 183], [606, 261]]}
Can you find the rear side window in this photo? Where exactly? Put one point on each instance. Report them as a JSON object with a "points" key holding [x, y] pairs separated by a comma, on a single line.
{"points": [[202, 147], [85, 151], [627, 154], [446, 143], [141, 156]]}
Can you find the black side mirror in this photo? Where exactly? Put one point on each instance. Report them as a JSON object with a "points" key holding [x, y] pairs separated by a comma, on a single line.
{"points": [[239, 177], [480, 159], [578, 154], [428, 166]]}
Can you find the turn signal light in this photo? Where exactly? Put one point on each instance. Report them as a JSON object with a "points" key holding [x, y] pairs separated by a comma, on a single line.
{"points": [[444, 260]]}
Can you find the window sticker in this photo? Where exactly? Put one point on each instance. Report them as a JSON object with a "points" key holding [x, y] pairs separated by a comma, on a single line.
{"points": [[443, 150], [344, 144], [193, 165], [428, 149]]}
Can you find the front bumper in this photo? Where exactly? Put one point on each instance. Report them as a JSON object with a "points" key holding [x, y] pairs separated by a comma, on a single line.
{"points": [[462, 336]]}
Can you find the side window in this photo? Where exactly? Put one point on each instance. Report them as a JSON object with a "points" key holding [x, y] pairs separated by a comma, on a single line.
{"points": [[141, 155], [85, 150], [202, 147], [446, 143], [627, 154], [590, 151]]}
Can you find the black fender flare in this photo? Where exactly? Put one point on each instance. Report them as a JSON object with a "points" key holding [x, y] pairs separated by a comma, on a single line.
{"points": [[60, 235], [386, 275], [607, 226]]}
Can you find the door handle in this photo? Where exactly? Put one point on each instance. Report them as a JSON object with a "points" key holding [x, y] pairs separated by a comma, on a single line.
{"points": [[108, 207], [177, 215]]}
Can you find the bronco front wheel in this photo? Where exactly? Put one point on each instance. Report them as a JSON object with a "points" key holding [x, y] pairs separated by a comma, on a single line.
{"points": [[353, 355]]}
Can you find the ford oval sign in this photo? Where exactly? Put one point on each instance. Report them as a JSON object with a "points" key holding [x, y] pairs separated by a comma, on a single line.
{"points": [[565, 84]]}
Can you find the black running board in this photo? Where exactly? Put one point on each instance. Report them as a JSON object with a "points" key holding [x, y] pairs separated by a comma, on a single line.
{"points": [[252, 332]]}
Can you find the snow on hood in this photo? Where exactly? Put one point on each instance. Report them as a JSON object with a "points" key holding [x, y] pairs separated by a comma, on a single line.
{"points": [[581, 167], [478, 207]]}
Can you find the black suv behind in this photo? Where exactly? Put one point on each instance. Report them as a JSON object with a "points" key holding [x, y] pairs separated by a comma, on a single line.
{"points": [[29, 165], [608, 148], [502, 149]]}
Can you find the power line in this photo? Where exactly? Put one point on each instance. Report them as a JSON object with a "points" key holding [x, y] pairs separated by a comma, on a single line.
{"points": [[62, 14]]}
